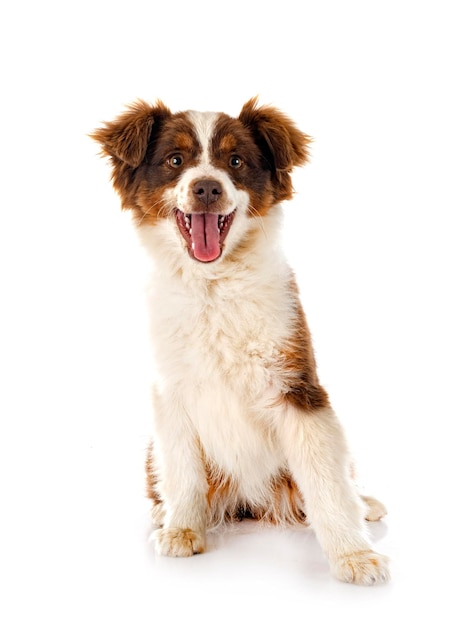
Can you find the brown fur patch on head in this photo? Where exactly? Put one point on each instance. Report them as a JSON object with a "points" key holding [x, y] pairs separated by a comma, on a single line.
{"points": [[184, 141], [232, 139], [141, 142], [125, 141], [283, 145], [228, 143], [155, 175]]}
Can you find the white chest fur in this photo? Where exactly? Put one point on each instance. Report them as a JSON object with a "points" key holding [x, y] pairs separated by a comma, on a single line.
{"points": [[217, 338]]}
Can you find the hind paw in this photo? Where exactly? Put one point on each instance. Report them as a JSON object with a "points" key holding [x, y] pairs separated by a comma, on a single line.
{"points": [[375, 510]]}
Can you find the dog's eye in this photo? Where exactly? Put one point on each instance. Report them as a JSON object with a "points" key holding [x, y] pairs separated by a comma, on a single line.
{"points": [[235, 161], [175, 161]]}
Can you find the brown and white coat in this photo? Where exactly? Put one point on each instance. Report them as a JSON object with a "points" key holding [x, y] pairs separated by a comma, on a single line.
{"points": [[242, 426]]}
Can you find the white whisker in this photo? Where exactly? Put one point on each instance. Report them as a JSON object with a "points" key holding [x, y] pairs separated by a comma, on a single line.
{"points": [[162, 208], [256, 214]]}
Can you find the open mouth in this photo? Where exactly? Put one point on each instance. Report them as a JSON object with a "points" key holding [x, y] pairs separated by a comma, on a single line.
{"points": [[205, 233]]}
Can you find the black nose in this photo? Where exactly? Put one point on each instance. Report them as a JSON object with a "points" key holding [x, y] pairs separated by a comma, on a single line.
{"points": [[207, 191]]}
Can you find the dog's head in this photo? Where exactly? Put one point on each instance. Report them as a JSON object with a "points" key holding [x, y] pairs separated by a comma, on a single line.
{"points": [[207, 173]]}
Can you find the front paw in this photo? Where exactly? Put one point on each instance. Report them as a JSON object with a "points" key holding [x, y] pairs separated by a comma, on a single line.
{"points": [[362, 568], [178, 541]]}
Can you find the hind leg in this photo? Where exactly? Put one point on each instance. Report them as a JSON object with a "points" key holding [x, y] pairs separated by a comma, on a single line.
{"points": [[374, 509]]}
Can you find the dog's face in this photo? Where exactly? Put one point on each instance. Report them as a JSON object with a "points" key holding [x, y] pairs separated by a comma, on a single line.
{"points": [[207, 173]]}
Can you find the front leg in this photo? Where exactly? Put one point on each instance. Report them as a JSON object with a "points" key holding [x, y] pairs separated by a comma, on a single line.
{"points": [[181, 481], [317, 456]]}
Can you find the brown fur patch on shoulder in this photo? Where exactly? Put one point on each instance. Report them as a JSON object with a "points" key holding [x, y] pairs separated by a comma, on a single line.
{"points": [[298, 364]]}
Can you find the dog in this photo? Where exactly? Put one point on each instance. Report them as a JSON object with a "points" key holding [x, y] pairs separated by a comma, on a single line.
{"points": [[242, 425]]}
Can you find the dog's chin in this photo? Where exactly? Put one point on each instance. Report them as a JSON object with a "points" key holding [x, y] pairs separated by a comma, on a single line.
{"points": [[205, 233]]}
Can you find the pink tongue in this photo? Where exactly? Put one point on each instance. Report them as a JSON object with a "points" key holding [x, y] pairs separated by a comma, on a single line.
{"points": [[205, 236]]}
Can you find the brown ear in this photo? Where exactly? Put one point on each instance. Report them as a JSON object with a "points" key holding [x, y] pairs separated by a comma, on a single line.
{"points": [[283, 145], [126, 139]]}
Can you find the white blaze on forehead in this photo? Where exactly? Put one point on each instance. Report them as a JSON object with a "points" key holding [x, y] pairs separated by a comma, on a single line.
{"points": [[204, 125]]}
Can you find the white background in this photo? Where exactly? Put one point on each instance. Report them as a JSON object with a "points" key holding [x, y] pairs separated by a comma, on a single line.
{"points": [[374, 233]]}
